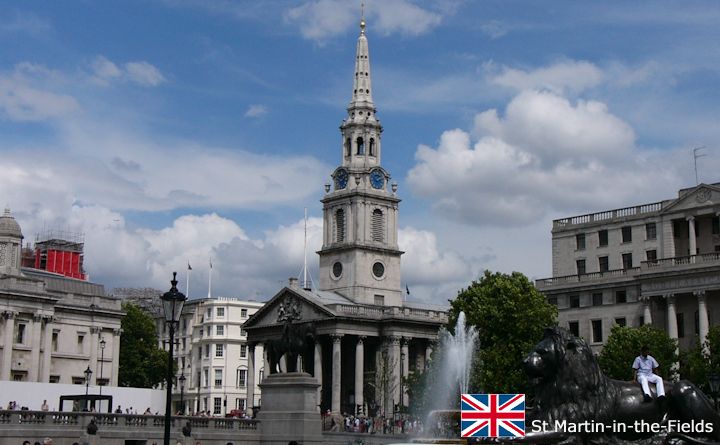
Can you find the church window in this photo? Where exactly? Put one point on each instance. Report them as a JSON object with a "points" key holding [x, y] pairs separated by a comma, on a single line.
{"points": [[360, 146], [337, 269], [380, 300], [348, 147], [378, 269], [378, 226], [371, 147], [340, 225]]}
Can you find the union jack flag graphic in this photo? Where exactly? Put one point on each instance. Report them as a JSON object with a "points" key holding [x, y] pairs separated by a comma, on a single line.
{"points": [[492, 415]]}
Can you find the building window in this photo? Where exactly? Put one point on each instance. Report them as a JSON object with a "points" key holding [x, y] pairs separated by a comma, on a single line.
{"points": [[552, 300], [78, 380], [621, 321], [243, 313], [241, 378], [574, 300], [242, 332], [240, 404], [580, 267], [597, 298], [360, 146], [19, 376], [641, 320], [54, 379], [218, 378], [627, 260], [339, 225], [207, 351], [597, 334], [580, 241], [55, 341], [574, 328], [219, 350], [206, 377], [348, 147], [716, 225], [378, 226], [626, 234], [680, 317], [620, 297], [379, 300], [217, 405], [20, 333], [603, 263], [651, 255], [80, 343], [243, 351], [209, 313], [650, 231], [220, 312], [220, 329], [603, 238]]}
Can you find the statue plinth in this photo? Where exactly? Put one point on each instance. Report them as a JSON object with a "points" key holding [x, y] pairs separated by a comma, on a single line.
{"points": [[289, 409]]}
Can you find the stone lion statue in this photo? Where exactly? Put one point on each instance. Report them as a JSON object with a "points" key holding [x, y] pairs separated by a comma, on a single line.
{"points": [[569, 386]]}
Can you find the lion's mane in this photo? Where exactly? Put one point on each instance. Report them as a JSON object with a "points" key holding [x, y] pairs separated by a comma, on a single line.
{"points": [[577, 390]]}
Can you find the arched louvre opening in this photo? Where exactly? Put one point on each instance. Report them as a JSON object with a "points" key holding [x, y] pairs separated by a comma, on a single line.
{"points": [[348, 147], [360, 146], [371, 147], [378, 225], [340, 225]]}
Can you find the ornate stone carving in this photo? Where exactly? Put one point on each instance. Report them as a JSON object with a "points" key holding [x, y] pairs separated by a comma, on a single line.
{"points": [[703, 195], [289, 310]]}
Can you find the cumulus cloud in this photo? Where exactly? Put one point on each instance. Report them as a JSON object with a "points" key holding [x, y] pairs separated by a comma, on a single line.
{"points": [[26, 94], [545, 153], [105, 71], [321, 19], [570, 75], [256, 111]]}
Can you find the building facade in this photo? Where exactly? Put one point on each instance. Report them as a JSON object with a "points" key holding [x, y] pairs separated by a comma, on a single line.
{"points": [[213, 356], [53, 327], [366, 337], [655, 263]]}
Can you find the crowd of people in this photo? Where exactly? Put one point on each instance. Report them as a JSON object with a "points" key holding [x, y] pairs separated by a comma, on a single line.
{"points": [[402, 423]]}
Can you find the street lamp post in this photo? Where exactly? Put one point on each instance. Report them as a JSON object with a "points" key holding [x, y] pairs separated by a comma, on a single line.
{"points": [[714, 383], [182, 393], [88, 374], [173, 301], [102, 362]]}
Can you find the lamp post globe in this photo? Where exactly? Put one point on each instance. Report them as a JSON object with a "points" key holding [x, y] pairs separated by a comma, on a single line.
{"points": [[88, 374], [173, 301]]}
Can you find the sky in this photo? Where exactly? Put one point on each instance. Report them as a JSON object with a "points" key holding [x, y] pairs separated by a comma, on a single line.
{"points": [[176, 131]]}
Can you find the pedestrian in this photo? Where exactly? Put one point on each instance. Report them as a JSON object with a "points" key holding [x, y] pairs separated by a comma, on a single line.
{"points": [[45, 406], [47, 441], [645, 371]]}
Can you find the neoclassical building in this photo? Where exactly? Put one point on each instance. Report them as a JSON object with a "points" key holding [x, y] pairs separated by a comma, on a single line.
{"points": [[366, 336], [52, 327], [655, 263]]}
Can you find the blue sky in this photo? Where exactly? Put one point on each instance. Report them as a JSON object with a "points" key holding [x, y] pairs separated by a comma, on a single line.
{"points": [[176, 130]]}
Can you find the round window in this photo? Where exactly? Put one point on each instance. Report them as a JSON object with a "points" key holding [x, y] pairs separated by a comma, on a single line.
{"points": [[337, 269], [378, 269]]}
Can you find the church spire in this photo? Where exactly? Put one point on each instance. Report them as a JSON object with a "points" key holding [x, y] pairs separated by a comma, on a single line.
{"points": [[362, 86]]}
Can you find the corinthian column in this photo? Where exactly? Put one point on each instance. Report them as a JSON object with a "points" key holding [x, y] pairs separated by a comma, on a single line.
{"points": [[671, 316], [692, 239], [35, 343], [317, 370], [702, 315], [9, 318], [359, 371], [336, 370]]}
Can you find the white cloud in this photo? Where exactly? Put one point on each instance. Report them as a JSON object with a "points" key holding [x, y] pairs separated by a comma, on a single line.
{"points": [[105, 71], [321, 19], [25, 94], [570, 75], [544, 154], [256, 110]]}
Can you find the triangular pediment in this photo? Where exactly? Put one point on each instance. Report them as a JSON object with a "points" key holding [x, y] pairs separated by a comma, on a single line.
{"points": [[288, 305], [701, 196]]}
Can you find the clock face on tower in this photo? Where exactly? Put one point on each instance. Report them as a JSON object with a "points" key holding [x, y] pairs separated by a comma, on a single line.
{"points": [[341, 179], [377, 179]]}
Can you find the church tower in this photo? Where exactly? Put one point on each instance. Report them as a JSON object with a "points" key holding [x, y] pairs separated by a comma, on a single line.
{"points": [[360, 258]]}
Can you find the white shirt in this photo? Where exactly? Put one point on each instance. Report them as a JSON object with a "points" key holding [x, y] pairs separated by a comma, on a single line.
{"points": [[645, 366]]}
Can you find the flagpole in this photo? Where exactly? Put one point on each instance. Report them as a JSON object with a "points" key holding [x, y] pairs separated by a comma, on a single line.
{"points": [[210, 281], [305, 286]]}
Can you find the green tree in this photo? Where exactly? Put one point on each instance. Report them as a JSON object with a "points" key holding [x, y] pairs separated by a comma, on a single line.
{"points": [[624, 344], [700, 361], [142, 363], [510, 314]]}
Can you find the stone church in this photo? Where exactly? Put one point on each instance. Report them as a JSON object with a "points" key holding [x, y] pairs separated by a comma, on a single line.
{"points": [[367, 338]]}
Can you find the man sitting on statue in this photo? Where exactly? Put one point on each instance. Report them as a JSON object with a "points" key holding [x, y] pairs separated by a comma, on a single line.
{"points": [[644, 372]]}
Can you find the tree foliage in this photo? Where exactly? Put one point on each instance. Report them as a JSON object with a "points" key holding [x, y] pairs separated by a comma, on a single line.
{"points": [[624, 344], [510, 314], [700, 361], [142, 363]]}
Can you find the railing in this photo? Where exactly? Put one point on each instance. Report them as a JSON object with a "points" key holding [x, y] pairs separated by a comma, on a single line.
{"points": [[607, 215], [592, 276], [39, 419], [703, 258], [378, 312]]}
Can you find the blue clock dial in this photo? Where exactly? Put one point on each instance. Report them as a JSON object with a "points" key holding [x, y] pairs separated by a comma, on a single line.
{"points": [[377, 179], [341, 179]]}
